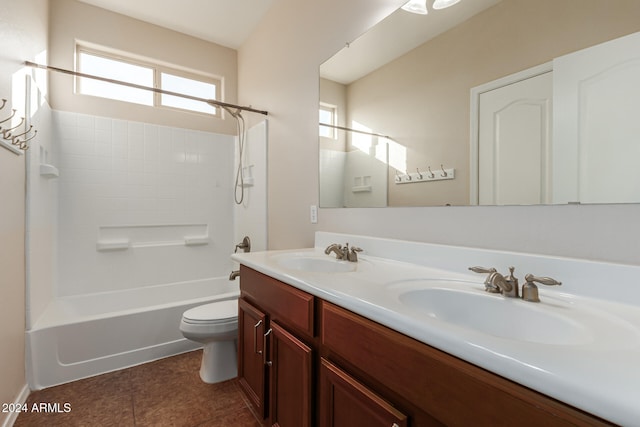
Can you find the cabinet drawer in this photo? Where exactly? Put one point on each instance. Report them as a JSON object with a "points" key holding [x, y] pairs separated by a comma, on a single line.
{"points": [[449, 389], [285, 304]]}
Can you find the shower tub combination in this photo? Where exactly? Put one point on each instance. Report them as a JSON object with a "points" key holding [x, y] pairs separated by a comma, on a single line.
{"points": [[85, 335], [116, 255]]}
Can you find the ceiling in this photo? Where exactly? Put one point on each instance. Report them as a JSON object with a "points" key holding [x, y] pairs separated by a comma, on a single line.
{"points": [[399, 33], [225, 22], [230, 22]]}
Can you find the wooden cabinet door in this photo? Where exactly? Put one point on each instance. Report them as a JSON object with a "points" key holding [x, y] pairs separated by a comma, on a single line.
{"points": [[291, 384], [345, 402], [251, 368]]}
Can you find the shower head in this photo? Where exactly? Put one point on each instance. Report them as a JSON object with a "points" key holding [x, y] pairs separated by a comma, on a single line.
{"points": [[234, 114]]}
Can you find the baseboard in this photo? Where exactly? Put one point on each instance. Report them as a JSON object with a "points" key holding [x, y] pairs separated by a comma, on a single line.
{"points": [[20, 399]]}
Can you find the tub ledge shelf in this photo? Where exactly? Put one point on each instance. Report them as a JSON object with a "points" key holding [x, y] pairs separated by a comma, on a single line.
{"points": [[112, 245]]}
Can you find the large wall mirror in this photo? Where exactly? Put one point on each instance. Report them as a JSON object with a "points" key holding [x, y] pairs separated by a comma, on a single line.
{"points": [[417, 112]]}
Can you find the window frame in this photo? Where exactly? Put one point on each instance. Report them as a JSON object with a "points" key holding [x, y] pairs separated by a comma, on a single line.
{"points": [[333, 109], [157, 68]]}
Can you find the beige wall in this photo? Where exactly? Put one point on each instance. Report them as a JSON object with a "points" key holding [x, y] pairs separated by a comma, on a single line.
{"points": [[23, 26], [72, 20], [424, 103], [278, 71]]}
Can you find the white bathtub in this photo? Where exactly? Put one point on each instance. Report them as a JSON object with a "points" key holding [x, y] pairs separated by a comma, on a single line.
{"points": [[85, 335]]}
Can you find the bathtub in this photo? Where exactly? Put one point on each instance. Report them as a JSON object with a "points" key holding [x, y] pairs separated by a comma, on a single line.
{"points": [[85, 335]]}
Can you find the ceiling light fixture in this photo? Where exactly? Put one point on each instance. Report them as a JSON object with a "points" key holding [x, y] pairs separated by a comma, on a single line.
{"points": [[442, 4], [416, 6]]}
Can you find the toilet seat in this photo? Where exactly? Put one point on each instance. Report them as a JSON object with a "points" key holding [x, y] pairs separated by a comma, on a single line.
{"points": [[219, 313]]}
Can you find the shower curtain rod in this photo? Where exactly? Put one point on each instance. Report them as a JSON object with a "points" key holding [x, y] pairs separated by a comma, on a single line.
{"points": [[355, 130], [152, 89]]}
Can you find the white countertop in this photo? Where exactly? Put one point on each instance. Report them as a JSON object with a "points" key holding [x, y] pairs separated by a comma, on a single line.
{"points": [[598, 374]]}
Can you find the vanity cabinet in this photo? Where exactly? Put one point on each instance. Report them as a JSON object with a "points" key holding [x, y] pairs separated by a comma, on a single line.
{"points": [[433, 387], [276, 349], [304, 361]]}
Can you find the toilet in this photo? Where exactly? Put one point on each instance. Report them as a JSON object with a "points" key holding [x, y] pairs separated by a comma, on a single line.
{"points": [[214, 325]]}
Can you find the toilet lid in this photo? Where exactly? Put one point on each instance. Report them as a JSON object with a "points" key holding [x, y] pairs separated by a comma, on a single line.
{"points": [[220, 310]]}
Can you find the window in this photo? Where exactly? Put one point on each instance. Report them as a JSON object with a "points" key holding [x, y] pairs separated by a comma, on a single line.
{"points": [[144, 73], [187, 86], [116, 70], [328, 115]]}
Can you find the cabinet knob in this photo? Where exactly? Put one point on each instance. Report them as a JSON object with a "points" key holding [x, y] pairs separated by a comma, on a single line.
{"points": [[395, 425]]}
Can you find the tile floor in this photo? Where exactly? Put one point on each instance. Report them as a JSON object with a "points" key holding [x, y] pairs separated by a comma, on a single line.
{"points": [[166, 392]]}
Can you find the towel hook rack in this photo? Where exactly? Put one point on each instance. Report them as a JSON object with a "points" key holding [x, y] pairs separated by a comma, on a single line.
{"points": [[8, 133]]}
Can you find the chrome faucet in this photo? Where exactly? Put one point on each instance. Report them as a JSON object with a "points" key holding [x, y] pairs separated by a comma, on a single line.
{"points": [[508, 286], [335, 248], [245, 245], [497, 283], [343, 252]]}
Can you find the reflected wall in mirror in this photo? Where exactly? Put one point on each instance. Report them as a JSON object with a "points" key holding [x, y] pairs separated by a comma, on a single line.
{"points": [[412, 108]]}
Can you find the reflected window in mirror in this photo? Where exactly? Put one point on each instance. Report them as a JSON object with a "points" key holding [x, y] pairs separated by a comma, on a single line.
{"points": [[328, 116]]}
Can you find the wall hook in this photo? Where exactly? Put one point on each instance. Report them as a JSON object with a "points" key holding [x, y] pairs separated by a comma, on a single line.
{"points": [[13, 113], [444, 173], [4, 102], [16, 141], [431, 174], [6, 134], [18, 135], [419, 174]]}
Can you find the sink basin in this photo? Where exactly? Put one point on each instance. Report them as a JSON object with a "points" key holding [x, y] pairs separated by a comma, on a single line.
{"points": [[315, 264], [491, 314]]}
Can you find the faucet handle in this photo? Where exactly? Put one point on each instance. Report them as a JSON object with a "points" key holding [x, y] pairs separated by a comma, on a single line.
{"points": [[353, 254], [530, 290], [549, 281], [483, 270]]}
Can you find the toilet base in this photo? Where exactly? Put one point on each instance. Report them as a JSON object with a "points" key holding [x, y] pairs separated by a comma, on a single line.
{"points": [[219, 361]]}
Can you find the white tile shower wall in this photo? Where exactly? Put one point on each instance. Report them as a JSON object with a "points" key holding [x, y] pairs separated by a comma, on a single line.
{"points": [[130, 174]]}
